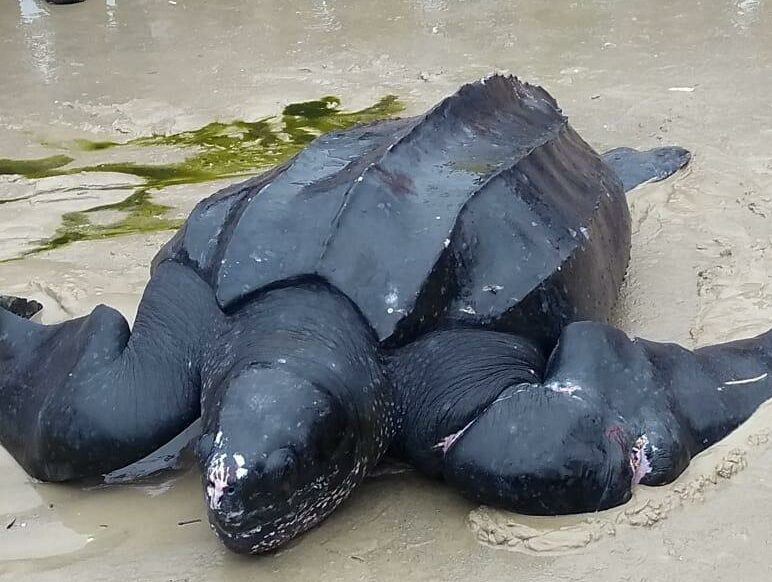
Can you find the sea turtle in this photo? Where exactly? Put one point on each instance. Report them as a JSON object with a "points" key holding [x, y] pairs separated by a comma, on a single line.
{"points": [[436, 286]]}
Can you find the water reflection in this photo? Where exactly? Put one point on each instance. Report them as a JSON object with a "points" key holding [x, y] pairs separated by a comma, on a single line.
{"points": [[745, 13], [433, 5], [39, 38], [325, 15], [38, 25], [112, 20], [30, 11]]}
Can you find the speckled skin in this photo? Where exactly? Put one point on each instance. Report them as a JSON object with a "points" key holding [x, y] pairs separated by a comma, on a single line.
{"points": [[295, 411], [401, 284]]}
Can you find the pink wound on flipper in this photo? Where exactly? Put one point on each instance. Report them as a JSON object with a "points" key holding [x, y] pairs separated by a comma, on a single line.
{"points": [[446, 443], [638, 459]]}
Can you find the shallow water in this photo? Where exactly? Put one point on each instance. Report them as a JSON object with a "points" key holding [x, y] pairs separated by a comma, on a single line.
{"points": [[693, 73]]}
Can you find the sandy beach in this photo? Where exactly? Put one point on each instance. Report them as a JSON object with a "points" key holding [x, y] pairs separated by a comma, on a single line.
{"points": [[696, 74]]}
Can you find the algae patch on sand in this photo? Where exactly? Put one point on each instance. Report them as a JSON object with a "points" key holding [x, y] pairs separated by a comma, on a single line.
{"points": [[217, 150], [37, 168]]}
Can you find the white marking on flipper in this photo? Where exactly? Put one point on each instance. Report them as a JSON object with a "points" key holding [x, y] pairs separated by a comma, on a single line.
{"points": [[563, 387], [746, 380], [217, 477]]}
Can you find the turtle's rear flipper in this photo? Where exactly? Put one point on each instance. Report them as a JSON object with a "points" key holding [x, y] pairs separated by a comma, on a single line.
{"points": [[88, 396], [609, 412], [25, 308], [639, 167]]}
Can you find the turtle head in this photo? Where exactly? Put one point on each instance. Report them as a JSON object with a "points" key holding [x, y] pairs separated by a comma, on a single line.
{"points": [[278, 454]]}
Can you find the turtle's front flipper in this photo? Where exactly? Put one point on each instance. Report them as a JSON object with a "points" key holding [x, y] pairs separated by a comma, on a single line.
{"points": [[638, 167], [447, 379], [610, 412], [88, 396], [175, 455]]}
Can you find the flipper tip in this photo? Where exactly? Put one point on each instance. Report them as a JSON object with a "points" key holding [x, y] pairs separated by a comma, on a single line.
{"points": [[26, 308]]}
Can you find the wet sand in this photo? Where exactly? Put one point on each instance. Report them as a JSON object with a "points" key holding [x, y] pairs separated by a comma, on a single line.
{"points": [[697, 74]]}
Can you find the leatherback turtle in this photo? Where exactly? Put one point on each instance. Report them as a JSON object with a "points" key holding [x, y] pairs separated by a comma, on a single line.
{"points": [[437, 286]]}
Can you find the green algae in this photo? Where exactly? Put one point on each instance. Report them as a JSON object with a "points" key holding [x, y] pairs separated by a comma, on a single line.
{"points": [[142, 215], [475, 167], [156, 175], [217, 150], [88, 145], [36, 168], [239, 147]]}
